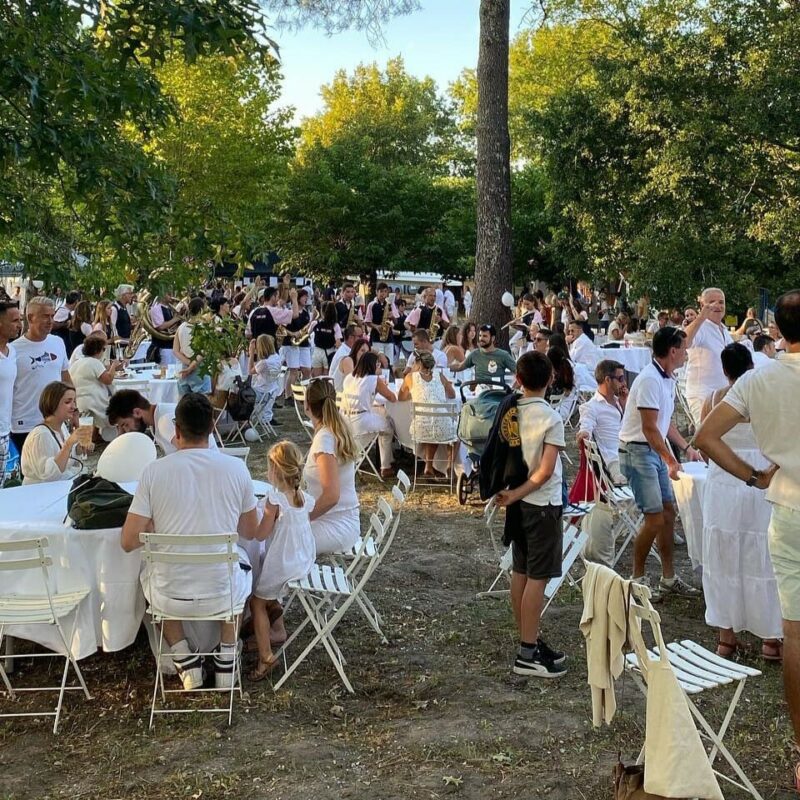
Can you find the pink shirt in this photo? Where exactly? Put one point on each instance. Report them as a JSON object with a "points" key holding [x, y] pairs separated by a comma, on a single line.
{"points": [[413, 317]]}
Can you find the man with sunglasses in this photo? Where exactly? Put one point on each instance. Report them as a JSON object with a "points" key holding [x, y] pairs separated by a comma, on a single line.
{"points": [[490, 362], [540, 340], [601, 417]]}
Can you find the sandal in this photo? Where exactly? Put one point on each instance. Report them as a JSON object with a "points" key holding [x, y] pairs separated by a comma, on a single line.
{"points": [[772, 650], [262, 670], [727, 649]]}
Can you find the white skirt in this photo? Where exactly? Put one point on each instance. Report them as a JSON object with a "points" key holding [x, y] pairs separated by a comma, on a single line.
{"points": [[337, 531], [738, 581]]}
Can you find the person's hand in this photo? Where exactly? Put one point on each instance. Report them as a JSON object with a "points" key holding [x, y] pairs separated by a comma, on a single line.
{"points": [[251, 348], [504, 498], [694, 455], [293, 294], [673, 468], [766, 476]]}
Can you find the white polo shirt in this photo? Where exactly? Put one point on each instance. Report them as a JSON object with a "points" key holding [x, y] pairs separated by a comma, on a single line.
{"points": [[704, 372], [603, 420], [652, 389], [541, 424], [768, 397]]}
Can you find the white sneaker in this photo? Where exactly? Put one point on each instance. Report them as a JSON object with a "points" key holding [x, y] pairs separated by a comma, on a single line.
{"points": [[677, 538], [679, 587], [225, 667], [188, 665]]}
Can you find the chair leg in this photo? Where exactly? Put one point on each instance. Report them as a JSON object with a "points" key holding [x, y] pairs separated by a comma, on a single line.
{"points": [[159, 683], [3, 674]]}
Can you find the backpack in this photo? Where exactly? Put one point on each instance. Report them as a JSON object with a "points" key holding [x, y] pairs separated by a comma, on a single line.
{"points": [[96, 503], [241, 399]]}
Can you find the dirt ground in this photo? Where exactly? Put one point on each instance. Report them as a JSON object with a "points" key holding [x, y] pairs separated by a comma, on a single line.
{"points": [[437, 712]]}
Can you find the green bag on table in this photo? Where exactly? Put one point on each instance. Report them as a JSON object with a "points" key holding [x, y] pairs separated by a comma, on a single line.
{"points": [[96, 503]]}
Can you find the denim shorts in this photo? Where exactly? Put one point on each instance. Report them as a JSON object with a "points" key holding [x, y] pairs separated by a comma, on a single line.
{"points": [[194, 383], [647, 476]]}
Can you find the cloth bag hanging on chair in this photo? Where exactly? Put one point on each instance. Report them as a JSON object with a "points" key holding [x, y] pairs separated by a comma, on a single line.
{"points": [[629, 783]]}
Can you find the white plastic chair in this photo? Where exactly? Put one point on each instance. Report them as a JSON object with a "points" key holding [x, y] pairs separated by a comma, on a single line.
{"points": [[698, 670], [326, 595], [213, 553], [258, 423], [236, 452], [299, 395], [446, 412], [39, 609]]}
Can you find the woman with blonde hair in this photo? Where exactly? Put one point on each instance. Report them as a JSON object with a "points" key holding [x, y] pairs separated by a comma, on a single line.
{"points": [[102, 318], [330, 472], [290, 554], [264, 364]]}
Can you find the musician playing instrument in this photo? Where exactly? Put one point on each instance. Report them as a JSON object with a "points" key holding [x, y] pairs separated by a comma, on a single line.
{"points": [[428, 316], [379, 320], [269, 315], [347, 312], [297, 348], [400, 333], [121, 326], [165, 320]]}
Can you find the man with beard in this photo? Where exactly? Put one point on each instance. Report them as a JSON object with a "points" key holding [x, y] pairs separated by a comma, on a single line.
{"points": [[129, 411]]}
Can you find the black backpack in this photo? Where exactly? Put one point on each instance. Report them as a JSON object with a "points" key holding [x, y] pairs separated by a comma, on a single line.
{"points": [[241, 399], [96, 503]]}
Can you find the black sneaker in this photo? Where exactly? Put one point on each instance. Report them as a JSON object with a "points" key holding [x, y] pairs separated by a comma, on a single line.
{"points": [[558, 657], [275, 423], [538, 667]]}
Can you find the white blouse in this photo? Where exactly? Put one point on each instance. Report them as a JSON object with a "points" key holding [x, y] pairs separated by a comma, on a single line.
{"points": [[325, 442], [39, 452]]}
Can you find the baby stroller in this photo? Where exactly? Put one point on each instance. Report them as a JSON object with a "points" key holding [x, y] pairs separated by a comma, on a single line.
{"points": [[474, 425]]}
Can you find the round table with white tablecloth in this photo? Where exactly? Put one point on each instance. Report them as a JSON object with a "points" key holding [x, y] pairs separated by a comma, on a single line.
{"points": [[688, 491], [153, 387], [634, 359], [109, 618]]}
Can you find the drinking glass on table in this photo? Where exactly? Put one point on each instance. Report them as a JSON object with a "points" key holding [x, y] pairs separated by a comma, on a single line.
{"points": [[85, 433]]}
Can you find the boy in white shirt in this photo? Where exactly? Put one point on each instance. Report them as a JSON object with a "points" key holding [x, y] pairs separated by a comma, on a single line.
{"points": [[537, 550]]}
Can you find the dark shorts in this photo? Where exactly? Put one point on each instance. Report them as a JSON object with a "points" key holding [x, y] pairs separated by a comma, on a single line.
{"points": [[536, 552]]}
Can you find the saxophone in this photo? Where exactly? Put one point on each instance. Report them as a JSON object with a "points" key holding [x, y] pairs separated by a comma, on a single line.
{"points": [[433, 328], [300, 336], [351, 317], [386, 323]]}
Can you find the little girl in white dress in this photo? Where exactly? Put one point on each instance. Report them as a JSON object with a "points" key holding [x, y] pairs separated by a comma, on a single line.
{"points": [[290, 547]]}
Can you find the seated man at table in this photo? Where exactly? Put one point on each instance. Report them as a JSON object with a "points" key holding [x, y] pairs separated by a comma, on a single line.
{"points": [[129, 411], [195, 490], [601, 417], [582, 349], [421, 343], [490, 362], [763, 350]]}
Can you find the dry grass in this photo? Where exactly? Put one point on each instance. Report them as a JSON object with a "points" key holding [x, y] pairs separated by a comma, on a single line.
{"points": [[437, 712]]}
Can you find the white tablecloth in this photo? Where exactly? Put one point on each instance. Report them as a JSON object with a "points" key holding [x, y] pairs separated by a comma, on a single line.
{"points": [[689, 497], [634, 359], [156, 390], [109, 618]]}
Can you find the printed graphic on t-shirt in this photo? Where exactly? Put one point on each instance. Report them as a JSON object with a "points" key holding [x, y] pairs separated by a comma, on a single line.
{"points": [[37, 362], [492, 367]]}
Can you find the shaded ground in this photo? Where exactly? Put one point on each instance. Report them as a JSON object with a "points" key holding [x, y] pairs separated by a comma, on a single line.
{"points": [[436, 713]]}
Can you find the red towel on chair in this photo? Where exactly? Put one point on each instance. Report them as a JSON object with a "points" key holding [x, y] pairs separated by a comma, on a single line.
{"points": [[582, 488]]}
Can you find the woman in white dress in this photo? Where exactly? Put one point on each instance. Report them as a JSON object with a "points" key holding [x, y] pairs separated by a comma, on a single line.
{"points": [[330, 473], [264, 364], [422, 385], [358, 407], [348, 363], [49, 452], [738, 581], [92, 381], [290, 549], [467, 301]]}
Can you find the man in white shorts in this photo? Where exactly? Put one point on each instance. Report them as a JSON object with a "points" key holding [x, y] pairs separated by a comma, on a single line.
{"points": [[195, 491], [768, 398], [296, 352]]}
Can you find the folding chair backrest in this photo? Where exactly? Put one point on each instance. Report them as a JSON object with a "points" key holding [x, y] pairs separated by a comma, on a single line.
{"points": [[28, 562], [642, 609], [299, 393], [434, 411], [385, 512], [489, 513], [237, 452], [572, 544], [403, 481]]}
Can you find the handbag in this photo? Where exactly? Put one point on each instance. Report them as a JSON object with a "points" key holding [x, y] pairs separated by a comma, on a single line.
{"points": [[241, 399], [95, 503], [629, 783]]}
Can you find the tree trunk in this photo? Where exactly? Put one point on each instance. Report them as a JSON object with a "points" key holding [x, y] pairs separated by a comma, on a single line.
{"points": [[493, 271]]}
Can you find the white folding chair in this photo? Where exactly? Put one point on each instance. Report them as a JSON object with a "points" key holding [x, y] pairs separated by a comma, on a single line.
{"points": [[326, 594], [698, 670], [217, 548], [446, 413], [236, 452], [299, 395], [47, 608], [258, 423]]}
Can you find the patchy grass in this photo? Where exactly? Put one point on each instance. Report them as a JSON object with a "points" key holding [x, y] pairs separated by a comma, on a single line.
{"points": [[436, 713]]}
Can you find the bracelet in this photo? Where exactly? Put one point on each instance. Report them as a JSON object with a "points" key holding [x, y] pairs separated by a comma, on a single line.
{"points": [[755, 474]]}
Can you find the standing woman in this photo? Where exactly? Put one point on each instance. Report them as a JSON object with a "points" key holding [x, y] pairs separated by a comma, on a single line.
{"points": [[80, 325], [358, 407], [467, 301], [102, 318], [330, 473]]}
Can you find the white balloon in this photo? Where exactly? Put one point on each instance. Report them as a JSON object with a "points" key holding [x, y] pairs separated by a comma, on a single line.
{"points": [[508, 300], [126, 457], [251, 435]]}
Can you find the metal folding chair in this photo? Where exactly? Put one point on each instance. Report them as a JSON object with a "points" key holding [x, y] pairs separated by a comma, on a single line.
{"points": [[434, 411]]}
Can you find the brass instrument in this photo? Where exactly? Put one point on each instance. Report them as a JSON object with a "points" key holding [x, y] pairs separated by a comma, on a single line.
{"points": [[433, 328], [351, 317], [386, 323], [300, 336]]}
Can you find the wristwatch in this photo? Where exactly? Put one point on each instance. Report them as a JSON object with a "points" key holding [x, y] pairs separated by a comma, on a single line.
{"points": [[754, 476]]}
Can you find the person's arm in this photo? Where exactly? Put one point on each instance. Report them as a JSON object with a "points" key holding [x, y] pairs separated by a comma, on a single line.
{"points": [[179, 354], [295, 304], [66, 377], [536, 479], [329, 481], [674, 435], [404, 393], [449, 391], [691, 329], [134, 525], [412, 319], [708, 439], [588, 421], [656, 441], [383, 390], [267, 524], [106, 377], [251, 358]]}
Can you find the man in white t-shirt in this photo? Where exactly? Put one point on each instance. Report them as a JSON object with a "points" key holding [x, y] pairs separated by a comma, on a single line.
{"points": [[536, 547], [768, 399], [129, 411], [351, 334], [706, 338], [41, 359], [647, 461], [582, 349], [421, 342], [10, 326], [449, 302], [195, 491]]}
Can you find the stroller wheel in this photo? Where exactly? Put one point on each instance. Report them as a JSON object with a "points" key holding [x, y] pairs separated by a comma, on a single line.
{"points": [[464, 488]]}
